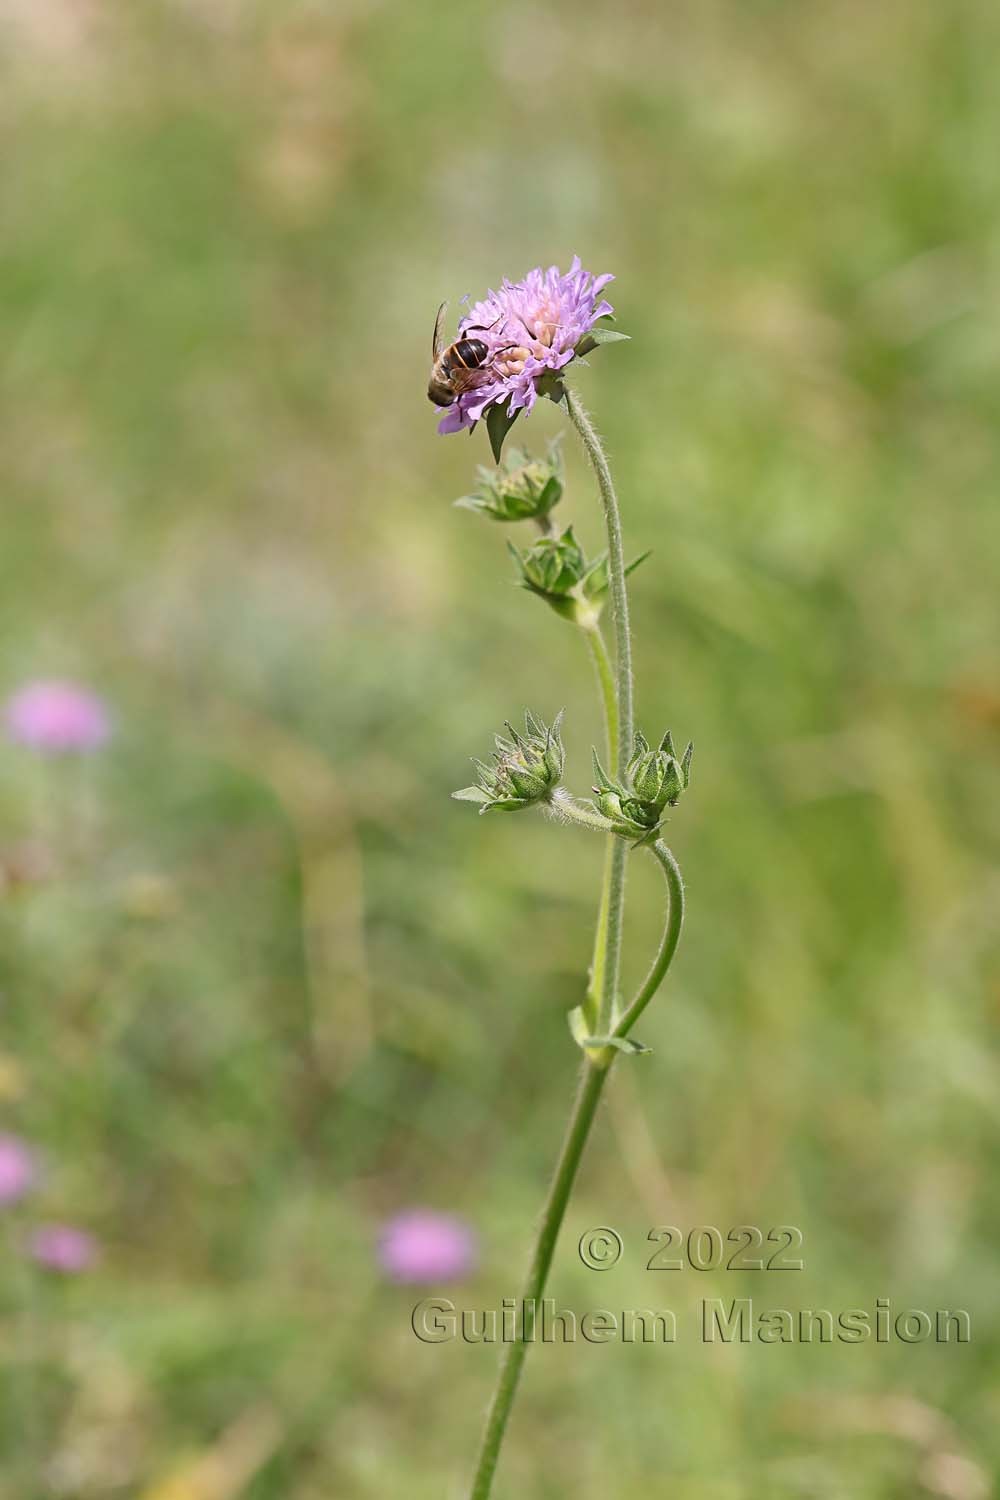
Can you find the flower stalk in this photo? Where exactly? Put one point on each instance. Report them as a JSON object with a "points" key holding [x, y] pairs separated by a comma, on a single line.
{"points": [[616, 697], [613, 913], [598, 649], [513, 347]]}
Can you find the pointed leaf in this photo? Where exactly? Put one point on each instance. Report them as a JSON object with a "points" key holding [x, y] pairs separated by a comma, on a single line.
{"points": [[629, 1044], [595, 581], [598, 336], [601, 776], [470, 794], [498, 423], [640, 559], [595, 1045]]}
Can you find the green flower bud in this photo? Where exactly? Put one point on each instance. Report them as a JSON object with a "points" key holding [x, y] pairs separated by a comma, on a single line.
{"points": [[656, 776], [526, 768], [556, 569], [521, 489], [653, 781], [554, 565]]}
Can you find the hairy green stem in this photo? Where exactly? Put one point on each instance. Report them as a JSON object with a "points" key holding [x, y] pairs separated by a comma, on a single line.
{"points": [[615, 871], [582, 1117], [616, 570], [598, 649], [597, 646], [599, 960], [617, 855], [563, 804]]}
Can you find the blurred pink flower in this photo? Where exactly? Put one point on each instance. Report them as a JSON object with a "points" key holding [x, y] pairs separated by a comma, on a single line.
{"points": [[420, 1245], [17, 1169], [56, 717], [60, 1247]]}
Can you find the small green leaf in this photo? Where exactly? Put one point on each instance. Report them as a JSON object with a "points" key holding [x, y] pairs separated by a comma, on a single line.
{"points": [[598, 336], [628, 1044], [638, 561], [470, 794], [498, 423], [598, 1048], [578, 1025]]}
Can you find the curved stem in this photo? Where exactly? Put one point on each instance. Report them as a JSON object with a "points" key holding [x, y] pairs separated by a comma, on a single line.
{"points": [[582, 1117], [616, 570], [615, 870], [668, 946]]}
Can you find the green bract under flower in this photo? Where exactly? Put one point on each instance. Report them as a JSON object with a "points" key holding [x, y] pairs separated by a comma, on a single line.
{"points": [[653, 781], [526, 768], [522, 489]]}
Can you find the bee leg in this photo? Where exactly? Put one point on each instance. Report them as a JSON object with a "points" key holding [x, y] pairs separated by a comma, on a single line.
{"points": [[484, 327]]}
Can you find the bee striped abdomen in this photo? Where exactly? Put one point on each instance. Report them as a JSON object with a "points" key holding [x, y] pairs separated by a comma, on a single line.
{"points": [[468, 354]]}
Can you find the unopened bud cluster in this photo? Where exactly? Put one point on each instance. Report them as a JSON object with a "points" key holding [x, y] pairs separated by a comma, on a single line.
{"points": [[521, 489], [556, 569], [653, 781], [525, 770]]}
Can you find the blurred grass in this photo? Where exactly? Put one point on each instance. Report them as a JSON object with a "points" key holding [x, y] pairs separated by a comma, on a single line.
{"points": [[278, 986]]}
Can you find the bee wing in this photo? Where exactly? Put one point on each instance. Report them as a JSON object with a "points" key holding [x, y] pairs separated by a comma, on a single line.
{"points": [[436, 345]]}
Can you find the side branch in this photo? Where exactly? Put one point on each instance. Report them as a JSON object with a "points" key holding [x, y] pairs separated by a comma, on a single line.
{"points": [[668, 945]]}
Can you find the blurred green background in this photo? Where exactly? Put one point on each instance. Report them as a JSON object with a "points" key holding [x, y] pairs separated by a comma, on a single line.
{"points": [[262, 984]]}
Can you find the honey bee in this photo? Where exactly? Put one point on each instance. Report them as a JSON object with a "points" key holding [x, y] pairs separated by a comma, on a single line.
{"points": [[458, 368]]}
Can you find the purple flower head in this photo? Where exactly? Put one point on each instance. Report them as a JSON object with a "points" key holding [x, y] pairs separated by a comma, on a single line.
{"points": [[419, 1245], [57, 717], [531, 328], [17, 1169], [60, 1247]]}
